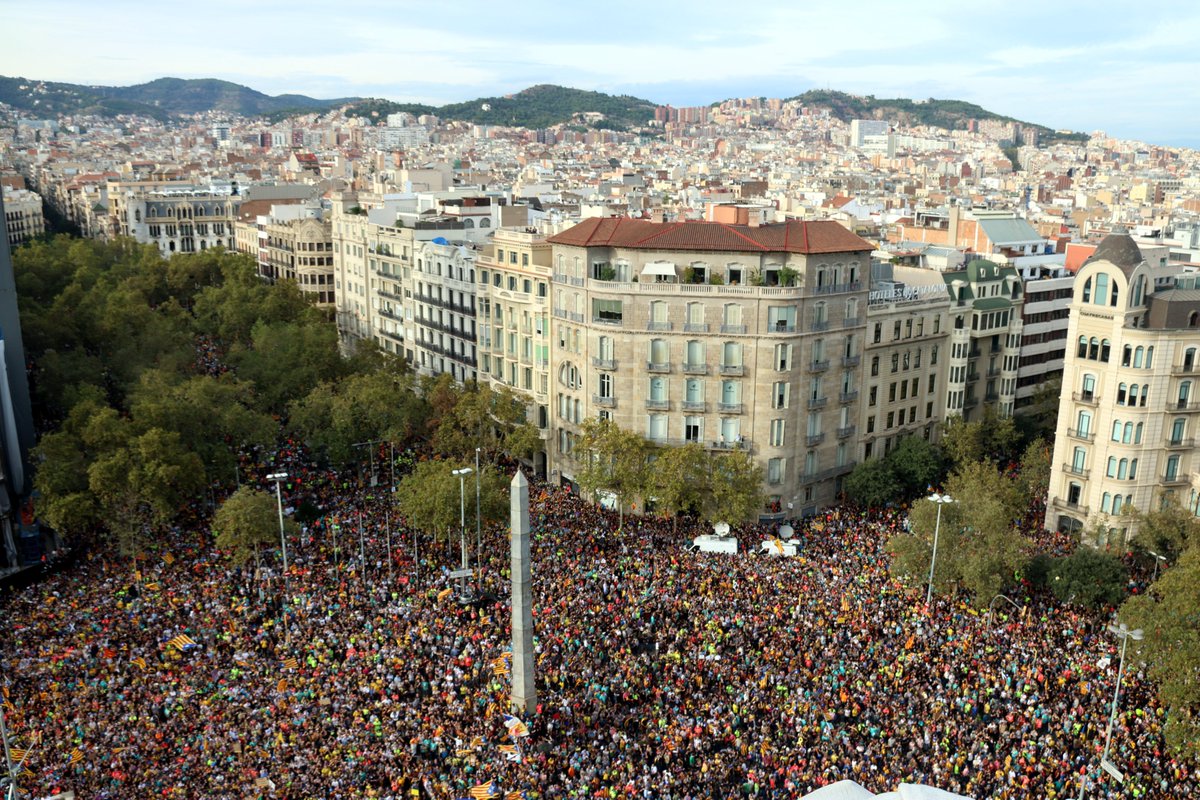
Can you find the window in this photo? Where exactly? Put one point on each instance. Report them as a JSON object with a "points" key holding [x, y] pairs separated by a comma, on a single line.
{"points": [[783, 357], [1101, 295], [660, 353], [777, 431], [1105, 347], [1185, 391], [693, 390], [1121, 393], [1138, 355], [656, 427], [693, 428], [871, 396], [605, 348], [731, 314], [1089, 387], [1172, 472], [1083, 425], [694, 314], [1125, 355], [731, 393], [774, 470], [568, 376], [874, 366], [779, 394], [933, 354], [1078, 459], [731, 354], [658, 389], [695, 353], [1087, 291], [1106, 503], [606, 310], [781, 319], [605, 385], [658, 315], [878, 332], [1177, 430]]}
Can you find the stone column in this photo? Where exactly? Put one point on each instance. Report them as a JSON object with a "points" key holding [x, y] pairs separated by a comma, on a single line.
{"points": [[524, 693]]}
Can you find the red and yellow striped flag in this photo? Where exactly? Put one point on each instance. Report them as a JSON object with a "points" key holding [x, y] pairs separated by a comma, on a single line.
{"points": [[76, 756], [483, 791]]}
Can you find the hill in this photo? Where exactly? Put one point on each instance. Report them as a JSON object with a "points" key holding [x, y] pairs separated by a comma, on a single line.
{"points": [[948, 114], [159, 98]]}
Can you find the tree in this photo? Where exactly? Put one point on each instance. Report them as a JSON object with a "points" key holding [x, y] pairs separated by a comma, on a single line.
{"points": [[1168, 530], [978, 547], [1168, 615], [614, 460], [477, 415], [285, 359], [872, 484], [679, 480], [142, 485], [735, 490], [962, 441], [429, 497], [916, 463], [248, 519], [1088, 577], [1035, 469]]}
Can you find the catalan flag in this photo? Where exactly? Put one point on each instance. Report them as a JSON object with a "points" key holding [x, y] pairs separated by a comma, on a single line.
{"points": [[291, 663], [444, 593], [464, 752], [240, 607], [282, 687], [76, 757], [518, 795], [516, 728], [153, 587], [18, 753], [167, 557], [182, 642], [511, 752], [500, 668], [483, 790], [27, 774], [139, 662], [477, 742]]}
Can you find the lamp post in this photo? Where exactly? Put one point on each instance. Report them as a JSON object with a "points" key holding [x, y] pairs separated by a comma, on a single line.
{"points": [[1157, 559], [1124, 634], [478, 528], [941, 500], [462, 518], [279, 478]]}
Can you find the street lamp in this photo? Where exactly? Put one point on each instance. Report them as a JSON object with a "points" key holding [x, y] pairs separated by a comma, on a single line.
{"points": [[941, 500], [1124, 634], [1157, 558], [478, 527], [462, 518], [279, 477]]}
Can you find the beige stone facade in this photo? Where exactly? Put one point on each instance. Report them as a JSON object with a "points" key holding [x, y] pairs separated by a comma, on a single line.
{"points": [[1129, 417], [23, 216], [730, 336]]}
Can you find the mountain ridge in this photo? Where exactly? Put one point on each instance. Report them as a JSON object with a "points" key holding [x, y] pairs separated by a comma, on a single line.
{"points": [[538, 106]]}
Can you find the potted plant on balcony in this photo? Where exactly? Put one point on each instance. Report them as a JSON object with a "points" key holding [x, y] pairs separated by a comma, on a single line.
{"points": [[787, 276], [756, 277], [608, 273]]}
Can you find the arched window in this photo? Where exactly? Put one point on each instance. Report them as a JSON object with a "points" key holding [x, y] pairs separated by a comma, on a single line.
{"points": [[568, 375], [606, 348], [1139, 290], [1145, 394], [1093, 348], [468, 223], [1112, 467], [485, 223], [1105, 348], [1122, 469], [1150, 357], [1116, 506], [1127, 434], [1126, 355], [1122, 389], [1101, 289], [1133, 469], [1089, 386], [1137, 434], [958, 323], [1087, 291], [1116, 290], [1193, 319], [695, 353], [1138, 356], [1083, 347], [1133, 394], [1189, 359], [1178, 427], [1106, 503], [1116, 430], [1185, 392], [660, 353]]}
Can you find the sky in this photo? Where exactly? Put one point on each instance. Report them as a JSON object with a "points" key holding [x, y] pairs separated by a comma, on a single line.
{"points": [[1132, 70]]}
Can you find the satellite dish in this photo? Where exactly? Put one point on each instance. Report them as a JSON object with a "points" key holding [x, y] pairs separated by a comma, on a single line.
{"points": [[721, 529]]}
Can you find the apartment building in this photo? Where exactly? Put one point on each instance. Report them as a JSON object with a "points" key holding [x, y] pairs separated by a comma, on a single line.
{"points": [[513, 302], [985, 338], [22, 215], [906, 359], [1129, 415], [176, 219], [1044, 320], [732, 336], [296, 244], [442, 336]]}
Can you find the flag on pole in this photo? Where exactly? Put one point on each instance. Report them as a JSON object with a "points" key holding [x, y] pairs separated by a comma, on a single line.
{"points": [[477, 742], [516, 728], [517, 795], [167, 557], [139, 662], [18, 754], [511, 752], [483, 790], [291, 662]]}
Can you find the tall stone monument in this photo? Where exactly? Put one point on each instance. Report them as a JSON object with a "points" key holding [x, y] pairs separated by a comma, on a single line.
{"points": [[524, 693]]}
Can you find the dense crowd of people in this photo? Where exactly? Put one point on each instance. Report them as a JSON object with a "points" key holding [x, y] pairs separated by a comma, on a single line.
{"points": [[661, 673]]}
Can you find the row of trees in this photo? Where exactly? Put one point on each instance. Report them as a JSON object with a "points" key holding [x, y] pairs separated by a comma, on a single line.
{"points": [[688, 479], [143, 415]]}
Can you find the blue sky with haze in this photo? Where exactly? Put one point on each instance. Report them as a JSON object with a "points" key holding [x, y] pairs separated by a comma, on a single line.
{"points": [[1129, 69]]}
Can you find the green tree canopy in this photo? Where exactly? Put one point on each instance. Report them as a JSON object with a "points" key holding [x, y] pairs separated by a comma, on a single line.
{"points": [[612, 459], [978, 546], [286, 359], [873, 484], [1088, 577], [679, 479], [480, 416], [247, 520], [429, 497], [735, 492], [917, 464]]}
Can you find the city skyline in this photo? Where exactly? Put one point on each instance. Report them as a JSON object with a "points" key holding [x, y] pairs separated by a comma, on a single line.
{"points": [[1101, 70]]}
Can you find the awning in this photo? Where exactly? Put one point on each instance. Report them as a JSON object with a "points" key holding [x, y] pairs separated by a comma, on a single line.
{"points": [[659, 269]]}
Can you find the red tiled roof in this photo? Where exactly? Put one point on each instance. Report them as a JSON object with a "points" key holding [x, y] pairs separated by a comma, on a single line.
{"points": [[1077, 253], [820, 236]]}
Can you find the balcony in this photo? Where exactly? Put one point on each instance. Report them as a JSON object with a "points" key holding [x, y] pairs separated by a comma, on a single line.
{"points": [[1071, 469], [970, 402], [652, 366], [1186, 369], [1083, 436], [839, 288], [695, 369], [848, 397], [974, 376], [729, 408], [658, 326], [732, 369], [993, 372], [817, 402], [851, 361], [991, 397], [851, 322], [1183, 406], [1068, 505], [1180, 444], [609, 364], [604, 402], [695, 327], [658, 405], [817, 327], [846, 432], [781, 327], [734, 329], [1175, 479], [1087, 398], [695, 405], [738, 444], [814, 440], [818, 366]]}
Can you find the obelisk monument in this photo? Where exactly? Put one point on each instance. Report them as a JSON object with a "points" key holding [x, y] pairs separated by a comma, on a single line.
{"points": [[524, 693]]}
